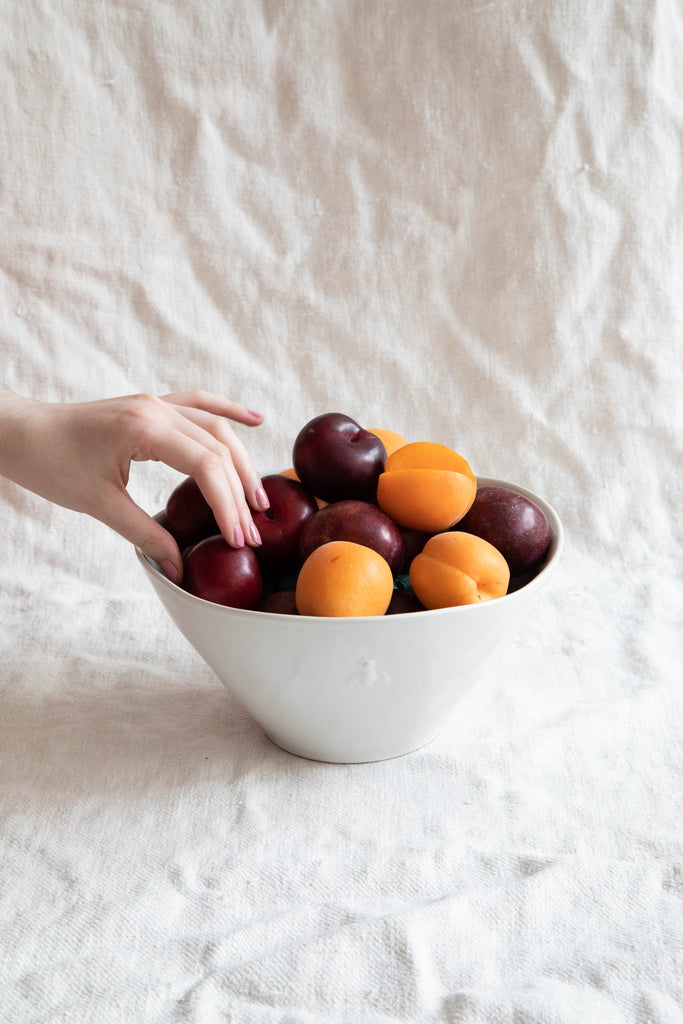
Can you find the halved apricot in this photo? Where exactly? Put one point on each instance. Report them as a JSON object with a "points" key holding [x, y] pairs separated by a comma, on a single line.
{"points": [[458, 568], [428, 455], [426, 486], [389, 438], [342, 578]]}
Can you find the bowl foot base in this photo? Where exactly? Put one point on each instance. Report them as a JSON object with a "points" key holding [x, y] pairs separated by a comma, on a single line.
{"points": [[338, 759]]}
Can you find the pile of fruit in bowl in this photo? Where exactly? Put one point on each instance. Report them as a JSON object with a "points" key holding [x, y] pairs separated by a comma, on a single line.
{"points": [[387, 577], [365, 523]]}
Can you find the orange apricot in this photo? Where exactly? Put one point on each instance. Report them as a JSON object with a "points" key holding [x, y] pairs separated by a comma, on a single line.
{"points": [[389, 438], [342, 578], [429, 455], [426, 486], [458, 568]]}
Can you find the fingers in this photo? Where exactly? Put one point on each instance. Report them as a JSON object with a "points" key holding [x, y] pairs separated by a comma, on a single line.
{"points": [[118, 511], [249, 479], [221, 486], [190, 432], [214, 404], [187, 447]]}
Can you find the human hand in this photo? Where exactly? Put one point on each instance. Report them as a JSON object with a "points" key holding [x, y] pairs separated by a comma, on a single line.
{"points": [[78, 455]]}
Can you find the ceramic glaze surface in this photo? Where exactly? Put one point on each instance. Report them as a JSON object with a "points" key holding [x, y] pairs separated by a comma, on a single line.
{"points": [[352, 689]]}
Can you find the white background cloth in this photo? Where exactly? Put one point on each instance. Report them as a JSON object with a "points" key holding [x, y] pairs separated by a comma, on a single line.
{"points": [[459, 221]]}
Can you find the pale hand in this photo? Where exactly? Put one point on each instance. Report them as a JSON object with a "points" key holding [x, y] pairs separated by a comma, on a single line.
{"points": [[78, 455]]}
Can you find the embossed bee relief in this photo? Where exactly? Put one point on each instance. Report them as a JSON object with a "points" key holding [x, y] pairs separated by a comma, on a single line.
{"points": [[368, 674]]}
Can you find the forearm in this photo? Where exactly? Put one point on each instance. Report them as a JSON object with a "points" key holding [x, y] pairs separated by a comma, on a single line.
{"points": [[15, 414]]}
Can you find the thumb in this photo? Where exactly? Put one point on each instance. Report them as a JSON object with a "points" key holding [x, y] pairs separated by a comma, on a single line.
{"points": [[130, 521]]}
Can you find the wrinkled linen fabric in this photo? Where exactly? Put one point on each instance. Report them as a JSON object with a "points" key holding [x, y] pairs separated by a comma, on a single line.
{"points": [[458, 221]]}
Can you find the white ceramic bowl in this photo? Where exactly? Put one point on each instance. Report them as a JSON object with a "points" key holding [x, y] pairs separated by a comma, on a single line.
{"points": [[348, 690]]}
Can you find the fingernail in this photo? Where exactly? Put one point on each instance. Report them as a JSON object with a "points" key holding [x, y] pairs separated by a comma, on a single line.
{"points": [[239, 537], [262, 499], [252, 412], [255, 535], [169, 570]]}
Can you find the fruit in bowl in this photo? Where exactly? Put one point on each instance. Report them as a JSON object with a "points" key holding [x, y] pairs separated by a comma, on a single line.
{"points": [[354, 688], [291, 508], [389, 438], [187, 515], [336, 458], [417, 494], [458, 568], [426, 486], [224, 575], [358, 521], [342, 578], [336, 654], [514, 524]]}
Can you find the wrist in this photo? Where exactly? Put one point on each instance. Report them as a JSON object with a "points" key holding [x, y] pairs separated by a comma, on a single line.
{"points": [[14, 420]]}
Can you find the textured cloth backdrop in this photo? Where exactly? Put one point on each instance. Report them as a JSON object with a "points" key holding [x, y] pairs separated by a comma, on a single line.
{"points": [[457, 220]]}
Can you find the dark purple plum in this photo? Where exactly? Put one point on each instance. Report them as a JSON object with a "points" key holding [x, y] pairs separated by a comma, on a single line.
{"points": [[413, 542], [357, 521], [404, 601], [335, 458], [291, 508], [188, 516], [283, 602], [512, 523], [222, 574]]}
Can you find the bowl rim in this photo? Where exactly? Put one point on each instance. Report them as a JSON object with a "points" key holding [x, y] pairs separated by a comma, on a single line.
{"points": [[551, 559]]}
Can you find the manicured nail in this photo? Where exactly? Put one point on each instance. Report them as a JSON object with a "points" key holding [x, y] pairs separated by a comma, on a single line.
{"points": [[255, 535], [262, 499], [239, 537], [169, 570]]}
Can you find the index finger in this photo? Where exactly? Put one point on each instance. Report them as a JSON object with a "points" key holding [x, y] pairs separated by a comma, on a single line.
{"points": [[207, 401]]}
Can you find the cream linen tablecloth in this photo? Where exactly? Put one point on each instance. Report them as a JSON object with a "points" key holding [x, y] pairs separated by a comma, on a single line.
{"points": [[457, 220]]}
